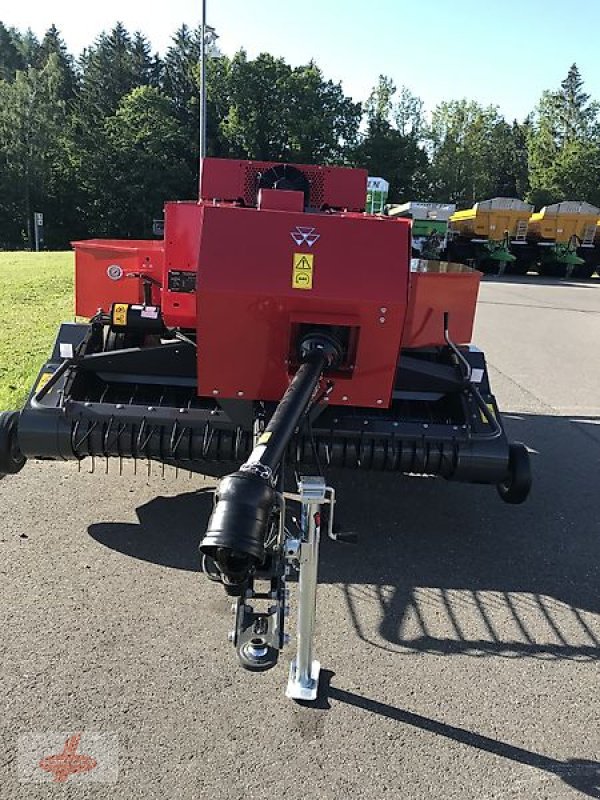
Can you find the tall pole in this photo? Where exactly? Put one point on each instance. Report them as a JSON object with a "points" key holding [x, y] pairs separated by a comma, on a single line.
{"points": [[203, 84]]}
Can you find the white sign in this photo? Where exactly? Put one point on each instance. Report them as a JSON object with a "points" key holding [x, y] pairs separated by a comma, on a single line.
{"points": [[378, 185]]}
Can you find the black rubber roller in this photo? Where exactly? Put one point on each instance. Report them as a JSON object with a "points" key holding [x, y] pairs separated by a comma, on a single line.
{"points": [[12, 459], [516, 486]]}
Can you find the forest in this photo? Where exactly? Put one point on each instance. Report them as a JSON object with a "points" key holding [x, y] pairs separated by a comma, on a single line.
{"points": [[98, 142]]}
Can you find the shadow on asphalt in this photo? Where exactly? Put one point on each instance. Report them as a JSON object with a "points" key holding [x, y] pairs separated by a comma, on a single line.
{"points": [[433, 556], [579, 774], [439, 567]]}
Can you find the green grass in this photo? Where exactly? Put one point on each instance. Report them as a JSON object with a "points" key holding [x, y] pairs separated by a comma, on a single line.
{"points": [[36, 294]]}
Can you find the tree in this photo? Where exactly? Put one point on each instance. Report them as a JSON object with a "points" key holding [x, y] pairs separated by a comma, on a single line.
{"points": [[32, 121], [276, 113], [143, 165], [146, 68], [111, 68], [11, 58], [255, 122], [321, 123], [409, 114], [564, 143], [28, 46], [181, 83], [52, 43], [519, 157], [471, 150], [391, 147]]}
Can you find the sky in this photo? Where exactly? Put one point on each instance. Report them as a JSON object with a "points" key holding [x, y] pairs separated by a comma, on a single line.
{"points": [[501, 52]]}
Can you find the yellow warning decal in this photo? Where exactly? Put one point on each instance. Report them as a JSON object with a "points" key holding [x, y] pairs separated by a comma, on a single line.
{"points": [[120, 313], [44, 378], [302, 274], [492, 413], [264, 438]]}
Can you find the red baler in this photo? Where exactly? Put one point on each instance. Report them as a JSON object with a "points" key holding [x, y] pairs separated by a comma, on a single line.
{"points": [[276, 324]]}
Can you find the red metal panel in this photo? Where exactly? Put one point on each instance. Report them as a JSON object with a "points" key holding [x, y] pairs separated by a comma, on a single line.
{"points": [[434, 291], [222, 179], [335, 187], [182, 246], [345, 188], [96, 260], [247, 305], [280, 200]]}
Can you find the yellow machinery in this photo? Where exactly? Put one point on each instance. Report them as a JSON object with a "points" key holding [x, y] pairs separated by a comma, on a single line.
{"points": [[565, 234], [491, 234]]}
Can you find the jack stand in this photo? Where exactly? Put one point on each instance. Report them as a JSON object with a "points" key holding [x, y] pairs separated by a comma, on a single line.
{"points": [[303, 681]]}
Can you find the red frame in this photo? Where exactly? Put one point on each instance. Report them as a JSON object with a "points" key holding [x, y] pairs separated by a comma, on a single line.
{"points": [[247, 306]]}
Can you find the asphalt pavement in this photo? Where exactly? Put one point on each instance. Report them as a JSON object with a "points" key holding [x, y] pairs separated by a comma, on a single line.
{"points": [[460, 638]]}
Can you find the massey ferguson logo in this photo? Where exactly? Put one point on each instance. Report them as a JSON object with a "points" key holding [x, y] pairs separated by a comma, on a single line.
{"points": [[305, 235]]}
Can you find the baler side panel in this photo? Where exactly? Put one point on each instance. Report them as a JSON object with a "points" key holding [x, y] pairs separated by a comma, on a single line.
{"points": [[433, 293], [96, 260]]}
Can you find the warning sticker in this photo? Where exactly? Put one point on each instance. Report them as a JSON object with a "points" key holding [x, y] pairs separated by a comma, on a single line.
{"points": [[264, 438], [302, 274], [120, 313], [491, 410], [44, 378]]}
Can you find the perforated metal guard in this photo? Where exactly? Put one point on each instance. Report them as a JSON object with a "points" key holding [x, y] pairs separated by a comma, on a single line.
{"points": [[314, 176]]}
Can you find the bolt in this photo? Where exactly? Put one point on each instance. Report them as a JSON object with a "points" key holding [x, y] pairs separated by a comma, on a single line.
{"points": [[382, 320], [150, 408], [119, 405], [240, 394], [87, 405], [231, 636], [383, 309], [365, 421], [183, 410], [286, 638], [345, 397], [215, 391], [234, 607], [380, 402], [396, 424]]}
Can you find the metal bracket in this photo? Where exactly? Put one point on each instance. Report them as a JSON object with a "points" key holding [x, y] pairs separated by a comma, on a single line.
{"points": [[303, 680], [259, 636]]}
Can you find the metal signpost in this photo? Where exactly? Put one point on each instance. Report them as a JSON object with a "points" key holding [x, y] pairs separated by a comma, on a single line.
{"points": [[38, 230]]}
